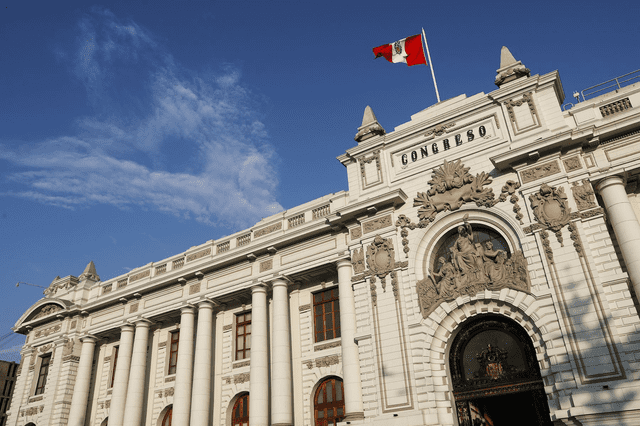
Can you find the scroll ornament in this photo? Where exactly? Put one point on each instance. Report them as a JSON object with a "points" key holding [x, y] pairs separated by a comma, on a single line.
{"points": [[471, 268]]}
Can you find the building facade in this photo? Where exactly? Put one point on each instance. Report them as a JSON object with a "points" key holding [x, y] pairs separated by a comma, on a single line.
{"points": [[8, 373], [486, 256]]}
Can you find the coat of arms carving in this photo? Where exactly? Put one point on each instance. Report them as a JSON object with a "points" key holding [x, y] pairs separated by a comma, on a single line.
{"points": [[452, 186], [381, 257]]}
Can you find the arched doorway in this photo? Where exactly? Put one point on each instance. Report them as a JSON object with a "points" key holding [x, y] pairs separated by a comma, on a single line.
{"points": [[328, 402], [165, 416], [494, 369], [240, 412]]}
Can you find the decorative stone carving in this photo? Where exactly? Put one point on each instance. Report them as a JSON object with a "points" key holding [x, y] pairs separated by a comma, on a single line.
{"points": [[327, 361], [381, 262], [242, 364], [227, 327], [472, 268], [363, 160], [74, 324], [47, 331], [68, 347], [107, 403], [198, 255], [356, 233], [241, 378], [195, 288], [45, 348], [439, 130], [168, 392], [327, 346], [378, 223], [47, 310], [60, 284], [452, 186], [551, 208], [357, 260], [303, 308], [133, 308], [266, 265], [139, 275], [540, 171], [572, 163], [583, 195], [370, 126], [269, 229]]}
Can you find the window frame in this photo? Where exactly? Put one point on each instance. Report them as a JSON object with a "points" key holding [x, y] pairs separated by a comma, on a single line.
{"points": [[170, 351], [334, 299], [324, 406], [242, 420], [246, 351], [41, 378]]}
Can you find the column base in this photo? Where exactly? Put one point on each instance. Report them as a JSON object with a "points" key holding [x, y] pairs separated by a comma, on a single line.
{"points": [[351, 417], [282, 424]]}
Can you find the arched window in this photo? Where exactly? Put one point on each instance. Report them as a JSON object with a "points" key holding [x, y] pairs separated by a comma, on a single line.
{"points": [[329, 402], [166, 420], [240, 413]]}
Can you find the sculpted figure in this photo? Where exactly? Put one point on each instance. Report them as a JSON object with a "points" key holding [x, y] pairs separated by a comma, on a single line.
{"points": [[496, 270], [465, 256], [447, 287]]}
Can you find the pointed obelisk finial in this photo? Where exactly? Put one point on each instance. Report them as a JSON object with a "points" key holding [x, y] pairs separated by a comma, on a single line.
{"points": [[370, 126], [90, 273], [510, 69]]}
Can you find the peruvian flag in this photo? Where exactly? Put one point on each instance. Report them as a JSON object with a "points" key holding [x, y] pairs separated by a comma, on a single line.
{"points": [[408, 50]]}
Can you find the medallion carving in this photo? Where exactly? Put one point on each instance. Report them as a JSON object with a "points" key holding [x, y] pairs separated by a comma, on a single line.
{"points": [[452, 186], [473, 267], [584, 195], [380, 258], [551, 208]]}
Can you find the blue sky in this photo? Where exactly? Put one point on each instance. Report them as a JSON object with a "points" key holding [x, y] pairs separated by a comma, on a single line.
{"points": [[131, 131]]}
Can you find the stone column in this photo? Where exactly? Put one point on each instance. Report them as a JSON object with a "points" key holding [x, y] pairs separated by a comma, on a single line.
{"points": [[184, 368], [80, 398], [350, 358], [259, 372], [201, 398], [137, 376], [625, 225], [121, 378], [281, 404]]}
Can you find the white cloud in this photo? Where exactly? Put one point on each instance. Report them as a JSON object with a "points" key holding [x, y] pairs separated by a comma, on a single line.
{"points": [[129, 160]]}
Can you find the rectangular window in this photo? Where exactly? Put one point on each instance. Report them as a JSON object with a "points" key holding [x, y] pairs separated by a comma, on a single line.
{"points": [[42, 375], [326, 312], [173, 352], [243, 336], [114, 364]]}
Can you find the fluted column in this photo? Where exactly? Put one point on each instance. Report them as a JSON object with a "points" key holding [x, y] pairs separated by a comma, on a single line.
{"points": [[121, 378], [350, 358], [201, 399], [625, 224], [281, 404], [184, 369], [259, 372], [80, 398], [137, 376]]}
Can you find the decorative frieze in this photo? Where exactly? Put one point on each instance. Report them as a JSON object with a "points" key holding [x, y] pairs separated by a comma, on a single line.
{"points": [[327, 346], [133, 308], [268, 230], [195, 288], [47, 331], [540, 171], [304, 308], [170, 379], [378, 223], [227, 327], [139, 275], [199, 255], [241, 364], [327, 361]]}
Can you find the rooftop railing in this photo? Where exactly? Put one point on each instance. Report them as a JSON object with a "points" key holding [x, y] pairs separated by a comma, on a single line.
{"points": [[613, 84]]}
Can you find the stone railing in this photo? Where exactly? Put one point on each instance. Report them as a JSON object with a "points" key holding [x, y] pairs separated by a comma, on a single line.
{"points": [[296, 220], [161, 269], [223, 247], [107, 288], [178, 263], [321, 211], [243, 240], [615, 107]]}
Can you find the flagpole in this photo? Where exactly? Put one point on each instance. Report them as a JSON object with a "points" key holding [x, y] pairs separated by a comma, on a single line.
{"points": [[431, 65]]}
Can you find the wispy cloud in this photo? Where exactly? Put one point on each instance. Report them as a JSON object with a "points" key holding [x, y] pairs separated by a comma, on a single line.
{"points": [[206, 122]]}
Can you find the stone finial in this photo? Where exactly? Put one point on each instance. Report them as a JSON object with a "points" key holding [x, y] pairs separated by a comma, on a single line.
{"points": [[370, 126], [90, 273], [510, 69]]}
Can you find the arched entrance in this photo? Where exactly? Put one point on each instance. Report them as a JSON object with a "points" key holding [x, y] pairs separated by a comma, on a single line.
{"points": [[494, 369]]}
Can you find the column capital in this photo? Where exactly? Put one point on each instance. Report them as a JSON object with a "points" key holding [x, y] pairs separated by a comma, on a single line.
{"points": [[127, 327], [259, 288], [205, 304], [141, 322], [187, 309], [341, 263], [88, 338], [610, 180]]}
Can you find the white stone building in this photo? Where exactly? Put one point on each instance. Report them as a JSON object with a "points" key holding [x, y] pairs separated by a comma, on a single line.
{"points": [[480, 270]]}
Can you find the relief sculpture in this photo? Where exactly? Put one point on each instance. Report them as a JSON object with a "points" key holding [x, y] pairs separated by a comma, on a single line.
{"points": [[472, 268]]}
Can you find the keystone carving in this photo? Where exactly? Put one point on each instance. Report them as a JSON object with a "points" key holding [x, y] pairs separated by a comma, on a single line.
{"points": [[471, 268], [452, 186]]}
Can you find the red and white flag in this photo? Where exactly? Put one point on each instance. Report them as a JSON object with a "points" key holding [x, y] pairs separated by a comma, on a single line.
{"points": [[408, 50]]}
